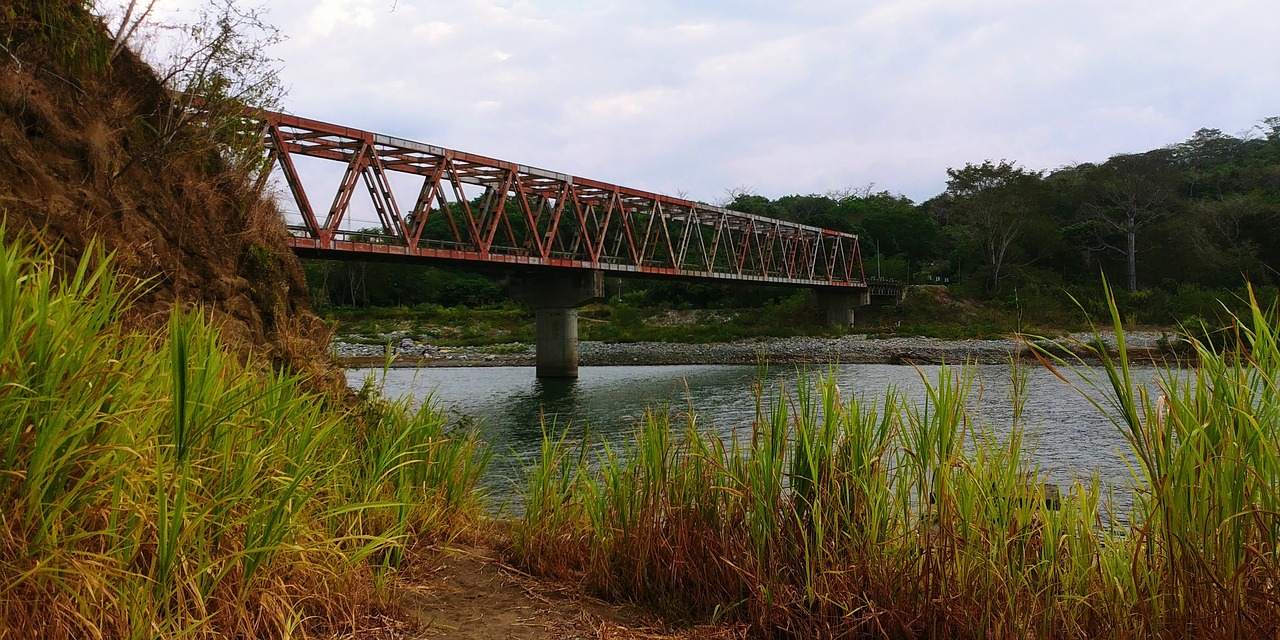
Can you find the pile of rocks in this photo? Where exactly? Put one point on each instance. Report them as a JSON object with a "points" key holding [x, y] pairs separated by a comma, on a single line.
{"points": [[368, 349], [343, 350], [847, 349], [852, 349]]}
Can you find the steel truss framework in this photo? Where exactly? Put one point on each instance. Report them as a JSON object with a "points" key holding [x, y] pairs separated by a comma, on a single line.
{"points": [[524, 216]]}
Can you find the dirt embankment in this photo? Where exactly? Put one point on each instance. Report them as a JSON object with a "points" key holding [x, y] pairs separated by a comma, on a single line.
{"points": [[88, 154]]}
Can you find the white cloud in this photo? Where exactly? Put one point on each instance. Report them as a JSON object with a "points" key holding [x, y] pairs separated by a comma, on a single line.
{"points": [[433, 31], [329, 16], [788, 97], [623, 104]]}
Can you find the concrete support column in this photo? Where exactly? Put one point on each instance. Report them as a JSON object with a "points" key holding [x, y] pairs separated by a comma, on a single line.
{"points": [[557, 350], [839, 305], [555, 298]]}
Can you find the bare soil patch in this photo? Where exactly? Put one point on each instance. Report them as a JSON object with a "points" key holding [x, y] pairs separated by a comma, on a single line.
{"points": [[467, 592]]}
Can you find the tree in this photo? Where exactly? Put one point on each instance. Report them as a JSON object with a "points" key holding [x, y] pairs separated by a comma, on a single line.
{"points": [[1231, 235], [753, 204], [1206, 160], [215, 65], [1127, 193], [135, 15], [993, 203], [898, 227], [815, 210]]}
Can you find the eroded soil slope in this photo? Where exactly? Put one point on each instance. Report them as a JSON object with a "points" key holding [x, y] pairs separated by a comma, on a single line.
{"points": [[88, 151]]}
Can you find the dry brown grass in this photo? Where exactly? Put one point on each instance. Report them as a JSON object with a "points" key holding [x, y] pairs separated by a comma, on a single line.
{"points": [[81, 157]]}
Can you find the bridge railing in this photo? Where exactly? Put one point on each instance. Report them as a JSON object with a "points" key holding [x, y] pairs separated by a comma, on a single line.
{"points": [[884, 287], [469, 207]]}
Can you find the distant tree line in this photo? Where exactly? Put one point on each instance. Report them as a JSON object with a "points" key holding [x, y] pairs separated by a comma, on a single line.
{"points": [[1204, 213]]}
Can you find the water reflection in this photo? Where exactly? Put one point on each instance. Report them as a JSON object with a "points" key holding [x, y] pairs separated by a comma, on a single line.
{"points": [[527, 409]]}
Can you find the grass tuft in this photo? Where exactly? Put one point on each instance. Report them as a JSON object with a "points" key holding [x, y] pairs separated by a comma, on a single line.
{"points": [[157, 485]]}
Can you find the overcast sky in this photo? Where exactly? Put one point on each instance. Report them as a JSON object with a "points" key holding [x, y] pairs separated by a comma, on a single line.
{"points": [[782, 97]]}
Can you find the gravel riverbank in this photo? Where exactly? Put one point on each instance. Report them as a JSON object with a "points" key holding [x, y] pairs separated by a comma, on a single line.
{"points": [[853, 349]]}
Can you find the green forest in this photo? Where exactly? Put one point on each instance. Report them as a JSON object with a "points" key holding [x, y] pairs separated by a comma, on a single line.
{"points": [[1178, 230]]}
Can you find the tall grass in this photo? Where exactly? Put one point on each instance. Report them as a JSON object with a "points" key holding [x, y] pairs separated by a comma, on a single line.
{"points": [[156, 486], [839, 517], [1207, 446]]}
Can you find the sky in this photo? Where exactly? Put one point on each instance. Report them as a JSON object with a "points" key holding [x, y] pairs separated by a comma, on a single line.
{"points": [[779, 98]]}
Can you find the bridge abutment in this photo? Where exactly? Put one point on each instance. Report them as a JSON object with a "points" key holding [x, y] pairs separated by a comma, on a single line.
{"points": [[555, 298], [840, 305]]}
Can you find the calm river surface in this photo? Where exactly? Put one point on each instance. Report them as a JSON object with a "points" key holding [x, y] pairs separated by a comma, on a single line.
{"points": [[1068, 437]]}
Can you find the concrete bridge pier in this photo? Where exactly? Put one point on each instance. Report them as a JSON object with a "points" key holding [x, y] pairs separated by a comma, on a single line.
{"points": [[555, 298], [839, 305]]}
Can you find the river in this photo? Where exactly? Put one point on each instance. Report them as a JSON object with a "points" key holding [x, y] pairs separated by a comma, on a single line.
{"points": [[1067, 436]]}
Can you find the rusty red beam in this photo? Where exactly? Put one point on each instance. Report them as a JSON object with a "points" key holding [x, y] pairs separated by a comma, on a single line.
{"points": [[477, 209]]}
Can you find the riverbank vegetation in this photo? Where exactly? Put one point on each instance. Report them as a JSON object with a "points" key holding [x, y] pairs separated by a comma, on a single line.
{"points": [[928, 310], [608, 321], [156, 484], [849, 517]]}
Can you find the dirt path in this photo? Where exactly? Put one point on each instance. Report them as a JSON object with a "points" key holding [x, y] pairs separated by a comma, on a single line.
{"points": [[466, 592]]}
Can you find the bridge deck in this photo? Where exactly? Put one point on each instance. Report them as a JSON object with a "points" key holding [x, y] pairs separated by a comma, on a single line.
{"points": [[473, 209]]}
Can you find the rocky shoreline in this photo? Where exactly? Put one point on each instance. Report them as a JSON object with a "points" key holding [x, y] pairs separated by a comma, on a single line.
{"points": [[852, 349]]}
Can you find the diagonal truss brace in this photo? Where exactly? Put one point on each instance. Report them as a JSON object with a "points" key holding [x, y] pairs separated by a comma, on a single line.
{"points": [[474, 208]]}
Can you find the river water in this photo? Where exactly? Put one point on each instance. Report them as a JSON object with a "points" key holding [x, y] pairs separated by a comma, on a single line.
{"points": [[1067, 436]]}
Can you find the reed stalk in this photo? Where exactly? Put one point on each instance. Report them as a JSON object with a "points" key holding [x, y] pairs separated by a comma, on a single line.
{"points": [[846, 517], [155, 485]]}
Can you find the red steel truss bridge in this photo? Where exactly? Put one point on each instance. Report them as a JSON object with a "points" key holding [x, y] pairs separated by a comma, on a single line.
{"points": [[454, 206]]}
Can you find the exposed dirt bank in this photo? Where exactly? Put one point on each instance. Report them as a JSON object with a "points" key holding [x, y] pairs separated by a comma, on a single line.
{"points": [[90, 155]]}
